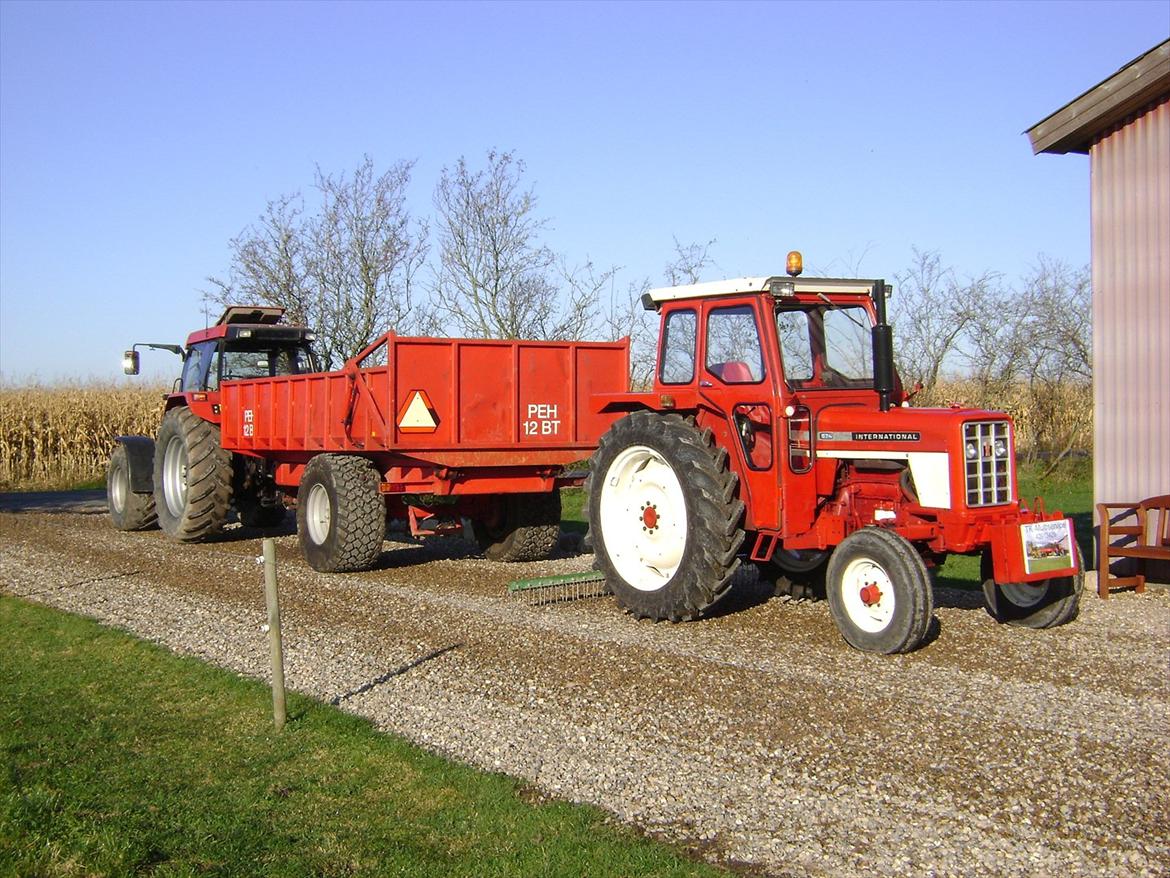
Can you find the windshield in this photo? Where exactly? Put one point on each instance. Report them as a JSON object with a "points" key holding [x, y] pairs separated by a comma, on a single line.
{"points": [[826, 347], [261, 360]]}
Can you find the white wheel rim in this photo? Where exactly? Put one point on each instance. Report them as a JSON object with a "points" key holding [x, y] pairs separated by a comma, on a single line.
{"points": [[318, 514], [643, 518], [119, 489], [868, 595], [1024, 594], [175, 476]]}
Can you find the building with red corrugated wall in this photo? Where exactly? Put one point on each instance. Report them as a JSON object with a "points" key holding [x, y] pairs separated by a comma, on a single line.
{"points": [[1123, 124]]}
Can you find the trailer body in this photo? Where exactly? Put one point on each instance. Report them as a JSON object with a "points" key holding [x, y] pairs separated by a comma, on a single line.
{"points": [[442, 416]]}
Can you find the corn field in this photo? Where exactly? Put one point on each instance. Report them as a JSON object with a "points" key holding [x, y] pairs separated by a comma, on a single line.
{"points": [[60, 436]]}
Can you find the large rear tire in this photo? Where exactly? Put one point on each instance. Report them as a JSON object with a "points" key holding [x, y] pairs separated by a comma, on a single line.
{"points": [[192, 477], [1043, 604], [664, 516], [128, 510], [341, 516], [879, 592], [527, 528]]}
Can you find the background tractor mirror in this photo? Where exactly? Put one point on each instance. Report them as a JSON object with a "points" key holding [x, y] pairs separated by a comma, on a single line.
{"points": [[130, 362]]}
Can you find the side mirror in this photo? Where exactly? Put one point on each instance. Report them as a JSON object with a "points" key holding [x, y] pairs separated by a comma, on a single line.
{"points": [[130, 362]]}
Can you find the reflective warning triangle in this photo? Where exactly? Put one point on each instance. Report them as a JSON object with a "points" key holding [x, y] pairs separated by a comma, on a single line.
{"points": [[418, 415]]}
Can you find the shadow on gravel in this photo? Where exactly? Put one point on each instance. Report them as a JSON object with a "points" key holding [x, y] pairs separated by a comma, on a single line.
{"points": [[91, 502], [395, 672]]}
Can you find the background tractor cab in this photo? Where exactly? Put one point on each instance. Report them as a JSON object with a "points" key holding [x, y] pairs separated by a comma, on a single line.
{"points": [[245, 342]]}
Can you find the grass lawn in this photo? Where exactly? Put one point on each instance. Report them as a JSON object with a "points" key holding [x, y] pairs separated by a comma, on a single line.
{"points": [[123, 759]]}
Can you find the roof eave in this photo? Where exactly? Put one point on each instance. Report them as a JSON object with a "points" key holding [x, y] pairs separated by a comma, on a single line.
{"points": [[1075, 126]]}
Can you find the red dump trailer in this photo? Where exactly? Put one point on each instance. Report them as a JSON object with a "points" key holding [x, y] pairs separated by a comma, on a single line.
{"points": [[436, 432]]}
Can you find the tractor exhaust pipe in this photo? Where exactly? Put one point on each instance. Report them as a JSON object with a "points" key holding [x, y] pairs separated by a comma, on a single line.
{"points": [[883, 349]]}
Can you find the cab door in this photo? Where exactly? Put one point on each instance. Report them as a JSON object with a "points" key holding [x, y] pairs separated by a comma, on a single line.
{"points": [[739, 386]]}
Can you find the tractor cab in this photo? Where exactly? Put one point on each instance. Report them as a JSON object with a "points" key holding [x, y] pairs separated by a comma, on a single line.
{"points": [[245, 342]]}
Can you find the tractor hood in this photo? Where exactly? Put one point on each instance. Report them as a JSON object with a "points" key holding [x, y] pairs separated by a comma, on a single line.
{"points": [[898, 430]]}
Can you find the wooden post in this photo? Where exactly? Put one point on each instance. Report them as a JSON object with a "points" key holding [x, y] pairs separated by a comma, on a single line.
{"points": [[277, 649]]}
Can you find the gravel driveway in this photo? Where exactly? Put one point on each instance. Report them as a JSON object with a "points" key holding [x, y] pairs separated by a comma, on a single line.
{"points": [[756, 737]]}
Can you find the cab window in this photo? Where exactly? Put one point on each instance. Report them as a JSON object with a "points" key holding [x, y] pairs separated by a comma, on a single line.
{"points": [[678, 348], [733, 345]]}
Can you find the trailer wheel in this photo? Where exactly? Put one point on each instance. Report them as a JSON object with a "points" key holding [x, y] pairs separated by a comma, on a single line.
{"points": [[1043, 604], [527, 528], [128, 510], [341, 517], [192, 477], [879, 592], [664, 516]]}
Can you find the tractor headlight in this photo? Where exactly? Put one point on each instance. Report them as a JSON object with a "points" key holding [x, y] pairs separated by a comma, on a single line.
{"points": [[1000, 448], [972, 451]]}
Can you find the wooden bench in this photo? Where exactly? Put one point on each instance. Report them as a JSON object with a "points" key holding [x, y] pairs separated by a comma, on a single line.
{"points": [[1137, 540]]}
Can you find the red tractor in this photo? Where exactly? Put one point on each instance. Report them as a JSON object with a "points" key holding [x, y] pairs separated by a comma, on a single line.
{"points": [[777, 431]]}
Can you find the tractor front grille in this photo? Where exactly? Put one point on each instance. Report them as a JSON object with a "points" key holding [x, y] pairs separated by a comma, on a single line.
{"points": [[987, 450]]}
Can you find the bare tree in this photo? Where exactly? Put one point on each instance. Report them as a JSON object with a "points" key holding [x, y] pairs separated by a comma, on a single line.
{"points": [[349, 270], [495, 278], [931, 312]]}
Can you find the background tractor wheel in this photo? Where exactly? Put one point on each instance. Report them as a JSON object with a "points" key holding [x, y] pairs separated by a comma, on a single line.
{"points": [[664, 517], [527, 528], [341, 517], [128, 511], [192, 477], [1043, 604], [879, 592]]}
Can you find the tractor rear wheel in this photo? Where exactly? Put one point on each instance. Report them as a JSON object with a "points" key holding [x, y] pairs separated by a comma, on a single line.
{"points": [[879, 592], [128, 510], [192, 477], [664, 516], [527, 527], [341, 517], [1043, 604]]}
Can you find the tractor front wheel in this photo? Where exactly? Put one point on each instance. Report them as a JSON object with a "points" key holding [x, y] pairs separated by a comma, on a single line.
{"points": [[526, 527], [128, 510], [341, 517], [1043, 604], [664, 516], [879, 592], [192, 477]]}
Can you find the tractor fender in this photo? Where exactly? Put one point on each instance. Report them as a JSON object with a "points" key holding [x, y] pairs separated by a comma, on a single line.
{"points": [[140, 457]]}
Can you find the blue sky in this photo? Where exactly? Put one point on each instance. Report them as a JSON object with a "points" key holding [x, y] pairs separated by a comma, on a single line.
{"points": [[137, 139]]}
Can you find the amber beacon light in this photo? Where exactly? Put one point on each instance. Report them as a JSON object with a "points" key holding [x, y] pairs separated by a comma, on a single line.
{"points": [[795, 263]]}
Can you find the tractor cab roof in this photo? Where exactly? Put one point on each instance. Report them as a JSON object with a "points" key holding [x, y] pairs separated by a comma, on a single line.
{"points": [[778, 285], [246, 321]]}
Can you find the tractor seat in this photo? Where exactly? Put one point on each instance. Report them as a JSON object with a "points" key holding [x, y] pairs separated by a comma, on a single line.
{"points": [[733, 372]]}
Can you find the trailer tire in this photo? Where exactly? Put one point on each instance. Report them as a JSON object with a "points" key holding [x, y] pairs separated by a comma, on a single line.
{"points": [[528, 528], [128, 510], [664, 516], [879, 592], [192, 477], [1044, 604], [341, 517]]}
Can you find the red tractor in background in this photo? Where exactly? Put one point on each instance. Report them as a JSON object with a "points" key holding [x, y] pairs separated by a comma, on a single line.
{"points": [[776, 431]]}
